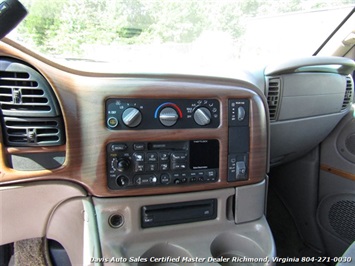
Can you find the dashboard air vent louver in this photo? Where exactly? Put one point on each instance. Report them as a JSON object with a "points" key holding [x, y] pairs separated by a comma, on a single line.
{"points": [[348, 93], [29, 110], [25, 93], [273, 97], [33, 131]]}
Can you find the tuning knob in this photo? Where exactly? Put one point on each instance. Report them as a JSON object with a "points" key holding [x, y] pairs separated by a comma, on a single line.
{"points": [[202, 116], [131, 117], [168, 116]]}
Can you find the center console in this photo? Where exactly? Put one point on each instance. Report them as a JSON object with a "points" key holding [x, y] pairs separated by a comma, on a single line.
{"points": [[190, 171], [141, 164]]}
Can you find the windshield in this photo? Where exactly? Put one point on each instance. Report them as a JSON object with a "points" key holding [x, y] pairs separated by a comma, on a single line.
{"points": [[176, 36]]}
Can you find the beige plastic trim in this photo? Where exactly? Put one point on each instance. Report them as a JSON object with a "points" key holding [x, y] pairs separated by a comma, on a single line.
{"points": [[73, 224], [25, 209], [250, 202], [126, 244]]}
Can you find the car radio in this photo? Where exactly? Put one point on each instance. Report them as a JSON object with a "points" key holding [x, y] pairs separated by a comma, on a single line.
{"points": [[171, 163]]}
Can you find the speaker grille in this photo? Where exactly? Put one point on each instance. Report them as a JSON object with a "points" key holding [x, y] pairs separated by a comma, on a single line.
{"points": [[350, 143], [342, 219]]}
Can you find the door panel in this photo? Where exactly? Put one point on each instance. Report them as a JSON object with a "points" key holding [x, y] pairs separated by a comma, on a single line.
{"points": [[336, 209]]}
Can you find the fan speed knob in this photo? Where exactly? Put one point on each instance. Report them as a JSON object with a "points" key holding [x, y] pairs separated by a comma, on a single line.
{"points": [[132, 117]]}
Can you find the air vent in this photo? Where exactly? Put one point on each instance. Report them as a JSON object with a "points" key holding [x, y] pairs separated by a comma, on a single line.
{"points": [[24, 92], [30, 112], [348, 92], [33, 131], [273, 97]]}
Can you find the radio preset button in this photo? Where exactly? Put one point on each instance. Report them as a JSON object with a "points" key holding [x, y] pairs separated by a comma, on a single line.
{"points": [[164, 156], [152, 167], [138, 156], [165, 179], [152, 157], [139, 167], [164, 167]]}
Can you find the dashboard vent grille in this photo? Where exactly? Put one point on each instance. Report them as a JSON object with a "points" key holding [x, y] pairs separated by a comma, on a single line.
{"points": [[33, 131], [23, 94], [348, 93], [29, 110], [273, 97]]}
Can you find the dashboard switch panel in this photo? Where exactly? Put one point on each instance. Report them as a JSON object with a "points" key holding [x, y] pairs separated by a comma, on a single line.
{"points": [[238, 139], [140, 114]]}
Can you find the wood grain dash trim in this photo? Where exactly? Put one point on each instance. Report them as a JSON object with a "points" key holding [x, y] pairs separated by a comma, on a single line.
{"points": [[337, 172]]}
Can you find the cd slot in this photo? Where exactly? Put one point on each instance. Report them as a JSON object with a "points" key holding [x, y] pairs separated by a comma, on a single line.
{"points": [[176, 213]]}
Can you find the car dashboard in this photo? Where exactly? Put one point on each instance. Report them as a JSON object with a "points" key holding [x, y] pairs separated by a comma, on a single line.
{"points": [[153, 168]]}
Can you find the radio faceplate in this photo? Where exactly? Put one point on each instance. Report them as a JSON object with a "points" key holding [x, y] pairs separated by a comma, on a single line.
{"points": [[150, 164]]}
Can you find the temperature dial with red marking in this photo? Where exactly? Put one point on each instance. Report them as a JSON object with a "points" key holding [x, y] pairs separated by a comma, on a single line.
{"points": [[168, 116], [169, 113]]}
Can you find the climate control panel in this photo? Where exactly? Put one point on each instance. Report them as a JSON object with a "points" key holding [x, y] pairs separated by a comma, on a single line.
{"points": [[123, 114]]}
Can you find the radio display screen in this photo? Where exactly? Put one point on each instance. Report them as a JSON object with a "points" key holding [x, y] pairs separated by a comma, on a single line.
{"points": [[204, 154]]}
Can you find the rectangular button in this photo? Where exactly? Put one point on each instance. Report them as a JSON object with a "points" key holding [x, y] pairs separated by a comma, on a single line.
{"points": [[179, 156], [151, 167], [164, 156], [138, 156], [211, 173], [139, 167], [164, 166], [152, 157], [178, 166], [138, 146], [118, 147]]}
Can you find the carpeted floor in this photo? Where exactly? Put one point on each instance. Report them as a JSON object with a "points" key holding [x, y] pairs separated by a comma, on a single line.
{"points": [[288, 242], [29, 252]]}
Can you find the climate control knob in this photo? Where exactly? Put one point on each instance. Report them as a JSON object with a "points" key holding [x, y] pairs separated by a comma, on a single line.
{"points": [[202, 116], [131, 117], [168, 116]]}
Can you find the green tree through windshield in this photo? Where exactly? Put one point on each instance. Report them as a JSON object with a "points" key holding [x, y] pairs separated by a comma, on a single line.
{"points": [[70, 27]]}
